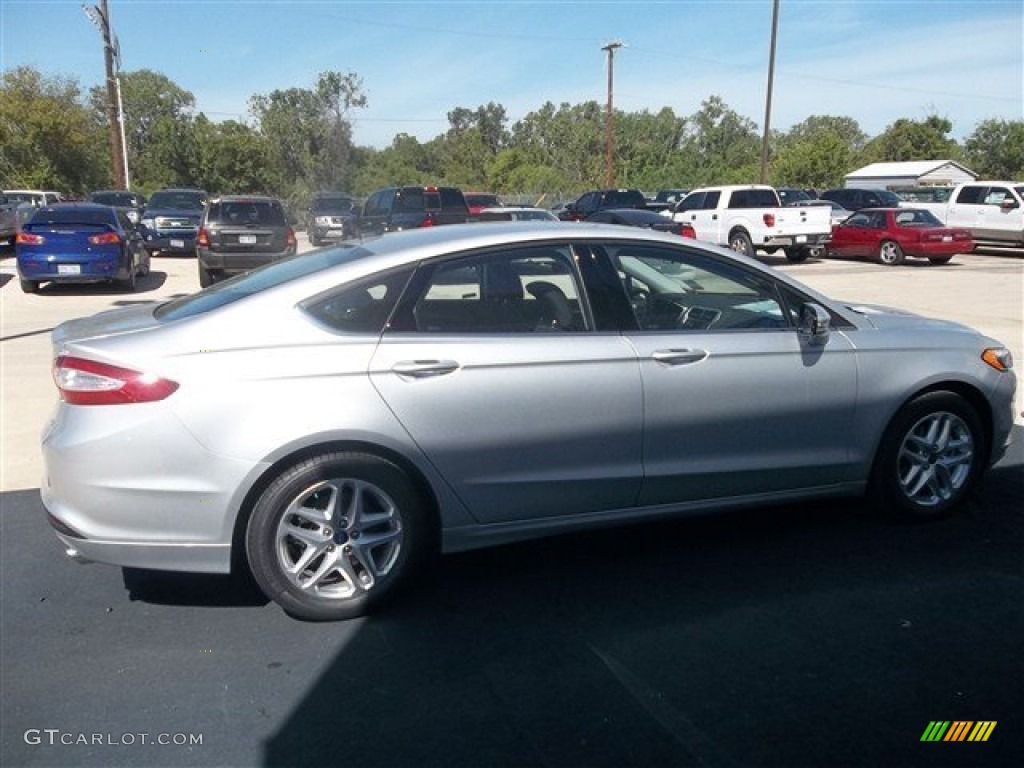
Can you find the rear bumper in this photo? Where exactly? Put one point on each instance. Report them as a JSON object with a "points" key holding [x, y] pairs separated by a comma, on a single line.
{"points": [[232, 263], [61, 269], [798, 241]]}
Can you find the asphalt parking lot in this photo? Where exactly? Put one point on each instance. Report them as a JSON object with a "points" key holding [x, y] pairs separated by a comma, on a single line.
{"points": [[810, 634]]}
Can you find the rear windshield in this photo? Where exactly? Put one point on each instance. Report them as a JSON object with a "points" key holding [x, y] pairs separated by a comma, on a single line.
{"points": [[94, 218], [250, 283], [266, 213], [417, 199], [624, 198], [333, 204], [178, 200], [754, 198]]}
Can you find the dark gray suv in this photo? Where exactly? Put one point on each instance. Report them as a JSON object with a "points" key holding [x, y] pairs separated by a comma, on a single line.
{"points": [[239, 233], [332, 216], [396, 208], [854, 199]]}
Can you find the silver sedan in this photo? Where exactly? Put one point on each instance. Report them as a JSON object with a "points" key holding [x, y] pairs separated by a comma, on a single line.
{"points": [[332, 420]]}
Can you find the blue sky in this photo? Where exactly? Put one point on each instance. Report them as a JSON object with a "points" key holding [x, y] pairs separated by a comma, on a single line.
{"points": [[872, 60]]}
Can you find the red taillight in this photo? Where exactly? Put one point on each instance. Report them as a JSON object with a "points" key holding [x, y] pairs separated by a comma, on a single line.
{"points": [[106, 238], [88, 382], [428, 220], [289, 238], [27, 238], [203, 237], [685, 230], [769, 219]]}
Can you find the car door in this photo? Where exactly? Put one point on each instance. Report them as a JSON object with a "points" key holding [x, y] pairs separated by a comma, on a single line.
{"points": [[853, 236], [999, 217], [736, 401], [491, 365]]}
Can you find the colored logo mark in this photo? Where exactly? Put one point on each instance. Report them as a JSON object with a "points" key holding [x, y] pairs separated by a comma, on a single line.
{"points": [[958, 730]]}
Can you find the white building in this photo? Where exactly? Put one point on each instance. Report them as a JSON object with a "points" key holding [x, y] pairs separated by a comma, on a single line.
{"points": [[917, 173]]}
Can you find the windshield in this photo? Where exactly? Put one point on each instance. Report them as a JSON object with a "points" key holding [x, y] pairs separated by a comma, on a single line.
{"points": [[178, 200], [254, 282]]}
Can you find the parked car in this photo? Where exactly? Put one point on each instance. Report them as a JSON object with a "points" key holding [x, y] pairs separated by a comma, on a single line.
{"points": [[332, 216], [38, 197], [890, 234], [837, 213], [132, 203], [9, 221], [634, 217], [332, 420], [515, 213], [239, 233], [171, 220], [791, 195], [477, 201], [396, 208], [79, 243], [855, 199], [992, 210], [665, 200], [590, 202]]}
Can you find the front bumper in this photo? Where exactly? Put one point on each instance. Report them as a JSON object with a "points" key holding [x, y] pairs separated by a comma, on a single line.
{"points": [[177, 242]]}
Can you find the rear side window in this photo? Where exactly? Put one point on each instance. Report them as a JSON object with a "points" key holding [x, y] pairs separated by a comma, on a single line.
{"points": [[409, 200], [624, 199], [363, 307], [971, 195]]}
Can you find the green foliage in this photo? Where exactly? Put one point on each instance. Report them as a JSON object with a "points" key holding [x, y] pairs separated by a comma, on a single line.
{"points": [[907, 140], [817, 153], [996, 149], [49, 138]]}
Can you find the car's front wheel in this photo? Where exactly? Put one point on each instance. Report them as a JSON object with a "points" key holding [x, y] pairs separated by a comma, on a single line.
{"points": [[29, 286], [334, 536], [930, 457]]}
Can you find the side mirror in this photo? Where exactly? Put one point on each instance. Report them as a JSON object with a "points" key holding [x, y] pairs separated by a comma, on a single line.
{"points": [[814, 324], [1008, 204]]}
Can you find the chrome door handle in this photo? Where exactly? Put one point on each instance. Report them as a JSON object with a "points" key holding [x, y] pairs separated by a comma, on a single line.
{"points": [[423, 369], [679, 356]]}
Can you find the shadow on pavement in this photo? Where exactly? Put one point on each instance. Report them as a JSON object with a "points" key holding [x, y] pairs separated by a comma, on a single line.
{"points": [[191, 589]]}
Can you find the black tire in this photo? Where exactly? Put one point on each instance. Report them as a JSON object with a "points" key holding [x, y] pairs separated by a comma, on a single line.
{"points": [[206, 277], [314, 240], [939, 259], [930, 458], [29, 286], [129, 284], [739, 241], [145, 265], [310, 506], [890, 253], [797, 255]]}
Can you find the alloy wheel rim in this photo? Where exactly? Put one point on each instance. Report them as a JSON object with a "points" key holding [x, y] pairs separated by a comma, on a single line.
{"points": [[935, 459], [339, 538], [889, 253]]}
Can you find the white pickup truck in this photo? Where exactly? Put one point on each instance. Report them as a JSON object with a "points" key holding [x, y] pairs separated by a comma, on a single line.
{"points": [[992, 210], [751, 217]]}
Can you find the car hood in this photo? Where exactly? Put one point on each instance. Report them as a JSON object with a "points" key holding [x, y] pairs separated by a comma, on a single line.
{"points": [[891, 318]]}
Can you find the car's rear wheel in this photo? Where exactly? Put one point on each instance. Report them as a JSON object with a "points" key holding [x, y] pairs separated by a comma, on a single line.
{"points": [[314, 240], [129, 284], [939, 259], [206, 276], [930, 457], [890, 253], [797, 255], [29, 286], [739, 241], [334, 536]]}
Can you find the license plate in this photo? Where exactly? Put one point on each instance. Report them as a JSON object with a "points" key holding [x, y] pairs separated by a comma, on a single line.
{"points": [[947, 238], [801, 238], [247, 239], [335, 232], [69, 269], [177, 243]]}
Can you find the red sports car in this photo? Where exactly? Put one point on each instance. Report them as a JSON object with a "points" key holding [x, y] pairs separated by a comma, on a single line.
{"points": [[889, 234]]}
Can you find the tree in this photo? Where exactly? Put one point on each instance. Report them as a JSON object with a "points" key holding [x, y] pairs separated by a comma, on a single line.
{"points": [[722, 146], [817, 152], [996, 149], [48, 137], [914, 140], [569, 140], [309, 133]]}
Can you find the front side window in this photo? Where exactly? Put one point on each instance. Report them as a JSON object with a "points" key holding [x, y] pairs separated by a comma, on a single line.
{"points": [[675, 290], [970, 195], [691, 202], [525, 290]]}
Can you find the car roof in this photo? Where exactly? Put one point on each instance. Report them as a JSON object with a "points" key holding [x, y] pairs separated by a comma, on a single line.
{"points": [[245, 199]]}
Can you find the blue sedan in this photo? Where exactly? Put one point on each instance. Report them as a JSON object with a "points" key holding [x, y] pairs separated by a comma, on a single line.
{"points": [[79, 243]]}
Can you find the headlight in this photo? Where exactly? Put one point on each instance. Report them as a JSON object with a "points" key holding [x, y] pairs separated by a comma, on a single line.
{"points": [[148, 223], [323, 221], [999, 358], [133, 216]]}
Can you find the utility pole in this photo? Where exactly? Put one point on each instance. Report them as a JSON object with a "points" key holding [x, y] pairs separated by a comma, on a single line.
{"points": [[100, 16], [609, 154], [768, 98]]}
